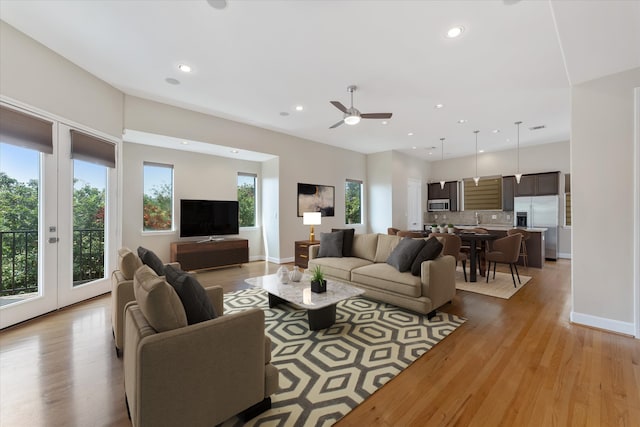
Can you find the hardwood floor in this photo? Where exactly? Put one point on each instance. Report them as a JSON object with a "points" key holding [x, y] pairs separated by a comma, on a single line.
{"points": [[516, 362]]}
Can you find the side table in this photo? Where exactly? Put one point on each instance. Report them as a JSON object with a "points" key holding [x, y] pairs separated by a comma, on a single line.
{"points": [[302, 252]]}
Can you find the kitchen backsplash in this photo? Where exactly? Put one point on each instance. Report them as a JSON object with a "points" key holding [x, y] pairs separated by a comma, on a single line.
{"points": [[469, 217]]}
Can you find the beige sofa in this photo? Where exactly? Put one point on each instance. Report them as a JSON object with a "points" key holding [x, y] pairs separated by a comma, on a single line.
{"points": [[193, 375], [367, 269]]}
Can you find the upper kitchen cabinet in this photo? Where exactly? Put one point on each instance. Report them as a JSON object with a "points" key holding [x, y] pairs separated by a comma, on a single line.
{"points": [[508, 192], [449, 192], [541, 184]]}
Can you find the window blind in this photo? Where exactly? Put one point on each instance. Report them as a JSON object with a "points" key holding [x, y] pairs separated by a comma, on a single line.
{"points": [[486, 196], [91, 149], [25, 130]]}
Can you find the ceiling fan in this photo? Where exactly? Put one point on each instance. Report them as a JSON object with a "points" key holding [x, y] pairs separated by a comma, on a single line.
{"points": [[352, 115]]}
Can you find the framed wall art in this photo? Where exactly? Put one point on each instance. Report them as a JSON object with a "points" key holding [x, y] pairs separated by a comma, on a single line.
{"points": [[316, 198]]}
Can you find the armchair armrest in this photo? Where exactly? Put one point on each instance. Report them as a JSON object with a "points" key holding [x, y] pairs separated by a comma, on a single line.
{"points": [[438, 279], [216, 295]]}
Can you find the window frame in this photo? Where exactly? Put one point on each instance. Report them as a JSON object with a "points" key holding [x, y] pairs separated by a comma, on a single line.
{"points": [[361, 201], [171, 167]]}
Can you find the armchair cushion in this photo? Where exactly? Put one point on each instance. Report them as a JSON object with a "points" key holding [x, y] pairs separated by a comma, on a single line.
{"points": [[151, 259], [128, 263], [195, 300], [403, 255], [429, 251], [158, 301]]}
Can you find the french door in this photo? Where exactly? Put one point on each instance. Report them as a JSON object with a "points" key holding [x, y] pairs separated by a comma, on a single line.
{"points": [[56, 226]]}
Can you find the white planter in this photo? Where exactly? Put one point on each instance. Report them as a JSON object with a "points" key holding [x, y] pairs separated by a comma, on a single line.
{"points": [[451, 230]]}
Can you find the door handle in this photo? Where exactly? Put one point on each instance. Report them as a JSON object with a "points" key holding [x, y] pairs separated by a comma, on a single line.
{"points": [[54, 239]]}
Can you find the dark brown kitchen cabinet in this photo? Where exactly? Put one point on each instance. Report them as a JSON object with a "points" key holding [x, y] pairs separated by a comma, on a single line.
{"points": [[540, 184], [508, 189], [435, 192], [449, 192]]}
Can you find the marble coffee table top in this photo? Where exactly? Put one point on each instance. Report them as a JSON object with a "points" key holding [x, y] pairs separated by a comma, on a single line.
{"points": [[299, 293]]}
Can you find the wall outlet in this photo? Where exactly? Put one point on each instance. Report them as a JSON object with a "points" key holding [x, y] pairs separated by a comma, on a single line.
{"points": [[494, 216], [508, 216], [435, 216]]}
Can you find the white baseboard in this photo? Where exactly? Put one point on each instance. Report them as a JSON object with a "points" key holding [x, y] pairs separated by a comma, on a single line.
{"points": [[564, 255], [257, 258], [281, 260], [627, 328]]}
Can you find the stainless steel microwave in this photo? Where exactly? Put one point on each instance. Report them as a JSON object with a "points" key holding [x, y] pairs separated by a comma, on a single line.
{"points": [[438, 205]]}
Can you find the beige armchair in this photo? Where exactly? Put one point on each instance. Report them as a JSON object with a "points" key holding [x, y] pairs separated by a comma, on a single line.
{"points": [[193, 375], [122, 292]]}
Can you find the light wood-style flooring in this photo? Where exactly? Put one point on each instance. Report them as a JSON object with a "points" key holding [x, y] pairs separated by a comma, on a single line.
{"points": [[516, 362]]}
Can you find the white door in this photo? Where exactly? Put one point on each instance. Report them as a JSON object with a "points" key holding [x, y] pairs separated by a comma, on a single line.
{"points": [[46, 261], [414, 203]]}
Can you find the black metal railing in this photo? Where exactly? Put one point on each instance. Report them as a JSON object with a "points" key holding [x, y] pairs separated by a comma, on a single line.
{"points": [[19, 259]]}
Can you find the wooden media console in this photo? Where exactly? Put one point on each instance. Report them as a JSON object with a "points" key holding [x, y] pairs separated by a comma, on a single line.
{"points": [[210, 254]]}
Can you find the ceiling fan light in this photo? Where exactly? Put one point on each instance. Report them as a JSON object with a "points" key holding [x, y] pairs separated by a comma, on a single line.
{"points": [[518, 177], [352, 120], [476, 179]]}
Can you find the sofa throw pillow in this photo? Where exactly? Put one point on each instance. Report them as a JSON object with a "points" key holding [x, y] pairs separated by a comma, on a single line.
{"points": [[128, 263], [431, 249], [158, 301], [347, 240], [151, 259], [330, 245], [195, 301], [404, 253]]}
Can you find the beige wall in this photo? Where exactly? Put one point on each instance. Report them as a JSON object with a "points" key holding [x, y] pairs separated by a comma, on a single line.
{"points": [[35, 75], [380, 191], [404, 168], [602, 156]]}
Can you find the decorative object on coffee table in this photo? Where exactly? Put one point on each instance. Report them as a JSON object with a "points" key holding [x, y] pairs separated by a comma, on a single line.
{"points": [[318, 284], [283, 274], [295, 275]]}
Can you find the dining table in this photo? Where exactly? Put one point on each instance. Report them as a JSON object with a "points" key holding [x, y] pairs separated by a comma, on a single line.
{"points": [[472, 238]]}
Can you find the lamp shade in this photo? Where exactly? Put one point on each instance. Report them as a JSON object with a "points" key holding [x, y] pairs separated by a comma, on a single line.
{"points": [[311, 218]]}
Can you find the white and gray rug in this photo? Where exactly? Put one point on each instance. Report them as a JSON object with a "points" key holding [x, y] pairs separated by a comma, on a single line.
{"points": [[324, 374]]}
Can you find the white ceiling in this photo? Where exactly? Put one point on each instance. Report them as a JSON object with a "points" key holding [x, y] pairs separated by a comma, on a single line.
{"points": [[255, 59]]}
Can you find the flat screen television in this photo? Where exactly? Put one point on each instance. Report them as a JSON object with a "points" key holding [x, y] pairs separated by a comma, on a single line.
{"points": [[208, 218]]}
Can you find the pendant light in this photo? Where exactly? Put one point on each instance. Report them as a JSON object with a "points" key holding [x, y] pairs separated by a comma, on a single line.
{"points": [[518, 174], [476, 178], [442, 158]]}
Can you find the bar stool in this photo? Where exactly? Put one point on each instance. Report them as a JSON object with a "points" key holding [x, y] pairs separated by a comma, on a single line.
{"points": [[523, 244]]}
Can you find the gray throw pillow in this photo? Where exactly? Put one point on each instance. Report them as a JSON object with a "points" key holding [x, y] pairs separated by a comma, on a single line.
{"points": [[403, 255], [330, 245], [347, 239], [195, 301], [429, 251], [151, 259]]}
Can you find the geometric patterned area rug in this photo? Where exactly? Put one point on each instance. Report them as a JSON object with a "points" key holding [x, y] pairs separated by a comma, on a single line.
{"points": [[325, 374], [500, 287]]}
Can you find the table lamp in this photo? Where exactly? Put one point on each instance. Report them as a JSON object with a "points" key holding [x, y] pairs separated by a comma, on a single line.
{"points": [[311, 218]]}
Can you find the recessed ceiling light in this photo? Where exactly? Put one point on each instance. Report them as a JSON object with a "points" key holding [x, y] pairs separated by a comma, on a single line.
{"points": [[172, 81], [430, 153], [299, 108], [410, 134], [284, 113], [461, 121], [496, 131], [438, 106], [384, 122], [235, 151], [455, 32], [508, 140], [480, 151], [414, 147], [184, 142], [184, 68]]}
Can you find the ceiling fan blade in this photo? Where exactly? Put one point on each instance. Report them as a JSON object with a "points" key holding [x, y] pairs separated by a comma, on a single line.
{"points": [[376, 115], [337, 124], [339, 106]]}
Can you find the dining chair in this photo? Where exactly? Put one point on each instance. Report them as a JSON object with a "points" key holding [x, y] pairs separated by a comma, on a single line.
{"points": [[523, 244], [451, 246], [506, 251]]}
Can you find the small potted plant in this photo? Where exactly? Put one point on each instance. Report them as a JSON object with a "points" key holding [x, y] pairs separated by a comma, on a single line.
{"points": [[443, 228], [434, 228], [318, 283], [451, 228]]}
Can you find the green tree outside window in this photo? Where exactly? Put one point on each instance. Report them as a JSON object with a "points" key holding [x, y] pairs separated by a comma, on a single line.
{"points": [[353, 202], [246, 199]]}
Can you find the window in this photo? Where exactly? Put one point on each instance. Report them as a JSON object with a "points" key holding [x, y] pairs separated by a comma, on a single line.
{"points": [[157, 206], [567, 200], [353, 202], [247, 199]]}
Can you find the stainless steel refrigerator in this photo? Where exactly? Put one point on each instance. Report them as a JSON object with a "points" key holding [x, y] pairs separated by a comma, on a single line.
{"points": [[540, 212]]}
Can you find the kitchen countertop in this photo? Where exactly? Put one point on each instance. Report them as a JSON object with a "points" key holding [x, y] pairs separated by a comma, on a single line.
{"points": [[500, 227]]}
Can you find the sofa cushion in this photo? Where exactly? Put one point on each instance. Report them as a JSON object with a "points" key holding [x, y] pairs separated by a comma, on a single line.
{"points": [[386, 244], [382, 276], [158, 301], [364, 246], [340, 268], [429, 251], [128, 263], [330, 244], [195, 301], [151, 259], [403, 255], [347, 239]]}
